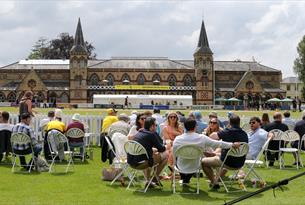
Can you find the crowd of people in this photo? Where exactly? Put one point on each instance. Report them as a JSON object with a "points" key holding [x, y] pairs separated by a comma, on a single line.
{"points": [[161, 136]]}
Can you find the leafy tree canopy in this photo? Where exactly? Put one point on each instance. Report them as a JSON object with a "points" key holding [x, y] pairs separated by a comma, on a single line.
{"points": [[299, 62], [58, 48]]}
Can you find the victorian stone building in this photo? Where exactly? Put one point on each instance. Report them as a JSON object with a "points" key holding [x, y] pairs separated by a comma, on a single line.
{"points": [[76, 80]]}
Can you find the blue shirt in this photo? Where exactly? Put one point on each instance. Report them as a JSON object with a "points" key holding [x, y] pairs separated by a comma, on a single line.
{"points": [[257, 140]]}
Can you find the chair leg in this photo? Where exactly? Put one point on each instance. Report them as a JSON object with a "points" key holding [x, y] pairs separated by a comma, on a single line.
{"points": [[125, 166], [14, 163], [197, 176], [174, 181], [132, 178]]}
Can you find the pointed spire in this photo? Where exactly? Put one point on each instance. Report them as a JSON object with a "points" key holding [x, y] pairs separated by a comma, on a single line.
{"points": [[79, 39], [203, 43], [79, 43]]}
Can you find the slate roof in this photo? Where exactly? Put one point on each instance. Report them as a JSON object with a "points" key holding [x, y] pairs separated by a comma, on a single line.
{"points": [[141, 63], [291, 80]]}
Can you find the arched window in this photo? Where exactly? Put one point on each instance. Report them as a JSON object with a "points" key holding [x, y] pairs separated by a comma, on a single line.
{"points": [[11, 97], [141, 79], [172, 80], [187, 80], [64, 98], [52, 97], [125, 79], [110, 79], [156, 79], [2, 97], [217, 95], [78, 79], [94, 79]]}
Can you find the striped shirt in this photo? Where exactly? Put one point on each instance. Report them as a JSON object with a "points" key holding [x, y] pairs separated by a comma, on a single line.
{"points": [[23, 128]]}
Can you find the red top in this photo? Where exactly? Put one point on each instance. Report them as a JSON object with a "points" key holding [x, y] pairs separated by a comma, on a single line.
{"points": [[79, 125]]}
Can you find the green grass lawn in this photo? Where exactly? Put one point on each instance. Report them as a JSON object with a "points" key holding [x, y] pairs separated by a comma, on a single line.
{"points": [[84, 185]]}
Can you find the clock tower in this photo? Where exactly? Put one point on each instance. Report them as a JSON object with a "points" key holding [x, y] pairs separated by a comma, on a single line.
{"points": [[78, 68], [204, 70]]}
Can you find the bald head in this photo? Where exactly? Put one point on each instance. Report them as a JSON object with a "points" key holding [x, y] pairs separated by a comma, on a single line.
{"points": [[277, 116]]}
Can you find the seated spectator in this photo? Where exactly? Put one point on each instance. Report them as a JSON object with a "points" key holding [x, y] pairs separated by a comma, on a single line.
{"points": [[288, 121], [202, 141], [5, 134], [139, 125], [76, 142], [24, 127], [158, 116], [58, 125], [300, 129], [200, 124], [212, 127], [257, 138], [118, 132], [133, 117], [149, 139], [214, 115], [274, 145], [232, 134], [43, 123]]}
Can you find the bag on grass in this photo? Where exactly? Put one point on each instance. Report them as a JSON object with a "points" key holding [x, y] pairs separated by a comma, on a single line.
{"points": [[108, 174]]}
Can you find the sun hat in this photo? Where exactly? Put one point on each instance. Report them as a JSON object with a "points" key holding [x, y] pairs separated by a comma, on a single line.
{"points": [[76, 117], [58, 113], [111, 110]]}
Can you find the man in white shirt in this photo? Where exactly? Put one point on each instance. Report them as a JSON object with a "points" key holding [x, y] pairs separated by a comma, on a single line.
{"points": [[202, 141], [45, 121], [157, 116], [256, 138]]}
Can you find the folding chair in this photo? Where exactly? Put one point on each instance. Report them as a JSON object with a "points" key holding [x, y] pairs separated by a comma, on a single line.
{"points": [[119, 161], [136, 149], [289, 136], [58, 140], [277, 136], [302, 142], [189, 153], [242, 151], [21, 140], [250, 164], [76, 133], [246, 127]]}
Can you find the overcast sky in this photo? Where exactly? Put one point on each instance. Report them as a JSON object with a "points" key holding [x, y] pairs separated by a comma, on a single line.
{"points": [[267, 31]]}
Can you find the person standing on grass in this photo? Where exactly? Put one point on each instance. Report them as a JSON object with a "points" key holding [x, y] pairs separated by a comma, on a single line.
{"points": [[25, 105]]}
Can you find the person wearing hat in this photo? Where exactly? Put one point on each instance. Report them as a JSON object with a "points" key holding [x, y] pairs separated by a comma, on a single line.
{"points": [[76, 142]]}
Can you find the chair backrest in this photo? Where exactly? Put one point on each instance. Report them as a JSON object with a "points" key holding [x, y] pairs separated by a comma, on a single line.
{"points": [[189, 152], [20, 139], [56, 136], [134, 148], [239, 152], [277, 134], [75, 133], [264, 147], [246, 127], [290, 136]]}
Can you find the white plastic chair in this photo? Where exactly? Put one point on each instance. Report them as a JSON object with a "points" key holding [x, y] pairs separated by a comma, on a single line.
{"points": [[55, 139], [21, 139], [120, 162], [250, 164], [288, 137], [192, 153], [136, 149], [246, 127], [300, 148], [277, 136], [242, 151], [76, 133]]}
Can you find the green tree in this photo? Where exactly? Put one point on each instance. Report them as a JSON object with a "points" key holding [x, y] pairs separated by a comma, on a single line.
{"points": [[299, 63], [58, 48]]}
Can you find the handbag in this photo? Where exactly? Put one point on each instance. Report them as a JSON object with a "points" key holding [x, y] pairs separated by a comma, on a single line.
{"points": [[108, 174]]}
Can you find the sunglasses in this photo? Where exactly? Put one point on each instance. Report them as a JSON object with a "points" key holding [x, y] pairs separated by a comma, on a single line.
{"points": [[172, 117], [213, 122], [251, 123], [143, 118]]}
